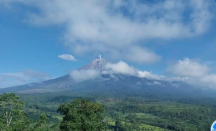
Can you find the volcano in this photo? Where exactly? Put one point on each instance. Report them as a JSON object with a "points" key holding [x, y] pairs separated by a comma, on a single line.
{"points": [[96, 64], [109, 83]]}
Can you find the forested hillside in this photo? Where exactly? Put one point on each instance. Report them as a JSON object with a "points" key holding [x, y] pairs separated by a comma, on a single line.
{"points": [[94, 112]]}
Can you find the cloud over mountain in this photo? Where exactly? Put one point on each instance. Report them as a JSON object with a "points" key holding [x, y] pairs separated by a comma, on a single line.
{"points": [[121, 68], [119, 28], [123, 30]]}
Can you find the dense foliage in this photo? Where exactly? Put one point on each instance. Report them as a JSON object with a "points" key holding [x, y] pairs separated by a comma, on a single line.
{"points": [[82, 115], [12, 117], [78, 115], [64, 111]]}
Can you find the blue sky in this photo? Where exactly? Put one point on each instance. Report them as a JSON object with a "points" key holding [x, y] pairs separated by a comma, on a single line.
{"points": [[44, 40]]}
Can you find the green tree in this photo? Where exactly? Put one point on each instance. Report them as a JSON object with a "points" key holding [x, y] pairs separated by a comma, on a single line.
{"points": [[41, 123], [12, 116], [82, 115]]}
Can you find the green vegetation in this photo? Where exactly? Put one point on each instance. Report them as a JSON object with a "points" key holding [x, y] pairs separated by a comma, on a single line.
{"points": [[53, 112], [78, 115], [82, 115], [12, 117]]}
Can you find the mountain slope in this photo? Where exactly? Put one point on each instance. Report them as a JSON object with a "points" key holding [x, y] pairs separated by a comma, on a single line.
{"points": [[109, 84], [96, 64]]}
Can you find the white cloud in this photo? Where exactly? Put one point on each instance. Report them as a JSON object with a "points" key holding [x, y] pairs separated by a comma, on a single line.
{"points": [[188, 67], [195, 72], [149, 75], [102, 26], [20, 78], [67, 57], [82, 75], [121, 68], [209, 80]]}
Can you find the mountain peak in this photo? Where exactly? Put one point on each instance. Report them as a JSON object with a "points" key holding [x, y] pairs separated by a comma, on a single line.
{"points": [[96, 64]]}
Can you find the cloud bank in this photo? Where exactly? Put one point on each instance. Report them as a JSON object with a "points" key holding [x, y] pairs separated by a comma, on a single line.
{"points": [[120, 28], [197, 73], [67, 57], [123, 68], [188, 67]]}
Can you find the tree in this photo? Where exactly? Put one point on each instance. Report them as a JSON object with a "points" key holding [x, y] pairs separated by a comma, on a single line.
{"points": [[82, 115], [11, 115], [41, 123]]}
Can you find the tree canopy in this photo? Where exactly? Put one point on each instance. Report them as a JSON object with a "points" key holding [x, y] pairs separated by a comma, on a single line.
{"points": [[82, 115], [12, 116]]}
